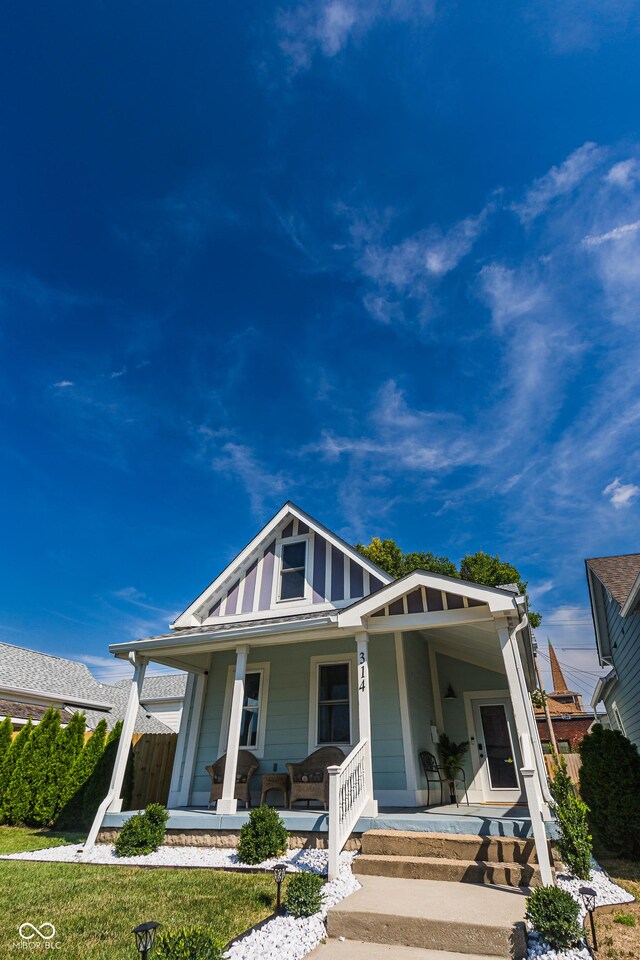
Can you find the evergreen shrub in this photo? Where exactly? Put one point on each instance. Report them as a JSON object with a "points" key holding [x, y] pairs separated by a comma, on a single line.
{"points": [[304, 894], [188, 943], [554, 914], [142, 833], [610, 786], [6, 739], [13, 773], [575, 843], [263, 837], [55, 770], [71, 813]]}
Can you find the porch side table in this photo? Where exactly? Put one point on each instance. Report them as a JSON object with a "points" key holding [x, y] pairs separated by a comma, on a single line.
{"points": [[276, 781]]}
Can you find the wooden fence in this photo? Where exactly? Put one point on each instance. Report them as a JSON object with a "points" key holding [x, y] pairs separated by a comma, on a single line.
{"points": [[153, 755], [573, 761]]}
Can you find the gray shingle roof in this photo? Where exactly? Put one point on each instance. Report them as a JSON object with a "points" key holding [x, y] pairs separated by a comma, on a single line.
{"points": [[162, 686], [618, 574], [55, 677]]}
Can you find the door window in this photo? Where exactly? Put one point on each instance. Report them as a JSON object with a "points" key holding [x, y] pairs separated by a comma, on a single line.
{"points": [[497, 744]]}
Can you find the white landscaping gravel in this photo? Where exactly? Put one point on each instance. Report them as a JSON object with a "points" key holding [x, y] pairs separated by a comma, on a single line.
{"points": [[607, 892]]}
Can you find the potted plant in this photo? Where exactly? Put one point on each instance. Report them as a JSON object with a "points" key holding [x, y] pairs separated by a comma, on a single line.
{"points": [[451, 759]]}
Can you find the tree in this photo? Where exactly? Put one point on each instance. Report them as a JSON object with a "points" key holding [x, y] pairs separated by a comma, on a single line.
{"points": [[98, 783], [6, 739], [72, 802], [32, 770], [52, 788], [477, 567], [388, 555], [11, 770], [610, 786]]}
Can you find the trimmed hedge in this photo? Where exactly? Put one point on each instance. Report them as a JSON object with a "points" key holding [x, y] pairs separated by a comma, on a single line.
{"points": [[610, 786], [554, 914], [304, 894], [263, 837], [143, 832], [188, 943]]}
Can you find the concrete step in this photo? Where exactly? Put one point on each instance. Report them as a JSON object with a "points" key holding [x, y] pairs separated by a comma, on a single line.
{"points": [[357, 950], [459, 917], [452, 846], [449, 870]]}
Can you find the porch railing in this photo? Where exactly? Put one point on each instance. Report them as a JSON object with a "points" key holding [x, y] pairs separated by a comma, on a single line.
{"points": [[535, 804], [348, 796]]}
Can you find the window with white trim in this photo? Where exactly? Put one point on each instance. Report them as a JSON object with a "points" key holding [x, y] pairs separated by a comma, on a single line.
{"points": [[617, 719], [293, 569], [250, 723], [254, 709], [333, 721]]}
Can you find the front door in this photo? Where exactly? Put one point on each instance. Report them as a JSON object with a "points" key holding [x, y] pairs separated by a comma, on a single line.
{"points": [[496, 749]]}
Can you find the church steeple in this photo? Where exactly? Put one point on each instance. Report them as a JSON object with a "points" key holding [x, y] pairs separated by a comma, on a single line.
{"points": [[559, 682]]}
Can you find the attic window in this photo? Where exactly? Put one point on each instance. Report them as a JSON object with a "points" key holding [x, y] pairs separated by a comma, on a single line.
{"points": [[292, 570]]}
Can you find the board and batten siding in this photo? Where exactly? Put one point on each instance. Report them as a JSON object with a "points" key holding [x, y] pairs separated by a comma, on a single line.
{"points": [[335, 576], [287, 717], [624, 634]]}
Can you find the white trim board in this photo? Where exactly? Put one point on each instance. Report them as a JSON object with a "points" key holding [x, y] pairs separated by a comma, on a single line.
{"points": [[264, 669]]}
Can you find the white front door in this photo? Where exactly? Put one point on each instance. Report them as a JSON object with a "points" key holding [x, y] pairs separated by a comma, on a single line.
{"points": [[496, 754]]}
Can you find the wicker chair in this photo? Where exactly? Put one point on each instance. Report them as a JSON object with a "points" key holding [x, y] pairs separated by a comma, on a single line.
{"points": [[247, 766], [434, 773], [309, 778]]}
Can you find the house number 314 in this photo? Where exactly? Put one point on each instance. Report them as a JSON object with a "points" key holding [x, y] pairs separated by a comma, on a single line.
{"points": [[363, 661]]}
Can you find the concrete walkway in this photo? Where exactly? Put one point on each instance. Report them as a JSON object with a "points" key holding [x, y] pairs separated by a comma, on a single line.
{"points": [[358, 950]]}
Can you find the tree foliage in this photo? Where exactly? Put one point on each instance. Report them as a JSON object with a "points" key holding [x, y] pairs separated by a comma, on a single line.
{"points": [[610, 786], [32, 771], [477, 567], [55, 784], [12, 772], [6, 739], [76, 789]]}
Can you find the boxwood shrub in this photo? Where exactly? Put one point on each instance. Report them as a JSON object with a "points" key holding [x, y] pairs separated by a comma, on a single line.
{"points": [[188, 943], [554, 914], [263, 837], [143, 832], [304, 894]]}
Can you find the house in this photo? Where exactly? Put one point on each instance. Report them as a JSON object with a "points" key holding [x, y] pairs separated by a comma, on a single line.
{"points": [[302, 642], [162, 697], [31, 682], [571, 722], [614, 592]]}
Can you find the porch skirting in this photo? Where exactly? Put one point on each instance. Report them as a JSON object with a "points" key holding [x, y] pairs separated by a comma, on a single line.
{"points": [[228, 839]]}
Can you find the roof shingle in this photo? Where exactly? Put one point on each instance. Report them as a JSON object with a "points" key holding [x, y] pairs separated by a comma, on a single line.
{"points": [[618, 574]]}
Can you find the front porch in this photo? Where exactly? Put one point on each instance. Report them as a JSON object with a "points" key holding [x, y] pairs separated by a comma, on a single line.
{"points": [[485, 820]]}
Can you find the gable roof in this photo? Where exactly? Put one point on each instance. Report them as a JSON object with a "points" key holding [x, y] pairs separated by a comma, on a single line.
{"points": [[251, 552], [162, 686], [618, 574], [44, 675], [557, 676]]}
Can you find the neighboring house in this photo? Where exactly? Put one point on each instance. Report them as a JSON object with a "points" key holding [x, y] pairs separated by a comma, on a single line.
{"points": [[571, 722], [31, 682], [614, 590], [162, 697], [302, 643]]}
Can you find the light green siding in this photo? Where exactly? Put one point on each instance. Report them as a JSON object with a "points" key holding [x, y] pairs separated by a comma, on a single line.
{"points": [[287, 718], [463, 676]]}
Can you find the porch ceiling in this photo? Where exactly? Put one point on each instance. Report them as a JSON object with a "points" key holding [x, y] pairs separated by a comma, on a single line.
{"points": [[476, 643]]}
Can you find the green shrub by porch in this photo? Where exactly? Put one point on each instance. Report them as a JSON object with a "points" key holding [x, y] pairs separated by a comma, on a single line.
{"points": [[142, 833], [304, 894], [554, 914], [610, 786], [188, 943], [575, 843], [263, 837]]}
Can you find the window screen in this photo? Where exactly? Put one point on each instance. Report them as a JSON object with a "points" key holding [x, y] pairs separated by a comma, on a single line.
{"points": [[333, 703]]}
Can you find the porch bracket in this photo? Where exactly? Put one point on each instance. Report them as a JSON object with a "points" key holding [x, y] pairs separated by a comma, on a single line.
{"points": [[370, 808], [113, 800], [228, 803]]}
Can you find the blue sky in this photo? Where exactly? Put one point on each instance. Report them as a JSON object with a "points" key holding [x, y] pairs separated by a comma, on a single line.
{"points": [[381, 258]]}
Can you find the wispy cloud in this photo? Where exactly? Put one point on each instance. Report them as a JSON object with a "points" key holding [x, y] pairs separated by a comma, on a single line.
{"points": [[325, 27], [62, 384], [237, 461], [620, 494], [559, 181], [616, 234], [583, 24]]}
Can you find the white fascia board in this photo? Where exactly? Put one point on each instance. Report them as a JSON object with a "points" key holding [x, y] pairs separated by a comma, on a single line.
{"points": [[632, 600], [220, 638], [288, 510], [596, 591], [498, 601], [601, 686], [39, 696]]}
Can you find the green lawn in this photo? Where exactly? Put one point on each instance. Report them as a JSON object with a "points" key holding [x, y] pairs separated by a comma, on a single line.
{"points": [[17, 839], [94, 908]]}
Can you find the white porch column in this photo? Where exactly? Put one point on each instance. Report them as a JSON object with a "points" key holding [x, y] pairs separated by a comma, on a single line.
{"points": [[128, 726], [364, 718], [113, 801], [228, 802]]}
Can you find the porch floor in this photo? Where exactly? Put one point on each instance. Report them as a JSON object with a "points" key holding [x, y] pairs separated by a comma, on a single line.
{"points": [[479, 819]]}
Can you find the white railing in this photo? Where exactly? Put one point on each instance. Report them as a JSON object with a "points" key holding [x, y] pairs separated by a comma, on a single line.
{"points": [[535, 804], [348, 796]]}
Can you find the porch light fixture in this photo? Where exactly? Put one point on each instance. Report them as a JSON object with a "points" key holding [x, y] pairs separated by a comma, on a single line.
{"points": [[589, 899], [145, 935], [450, 694], [279, 873]]}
